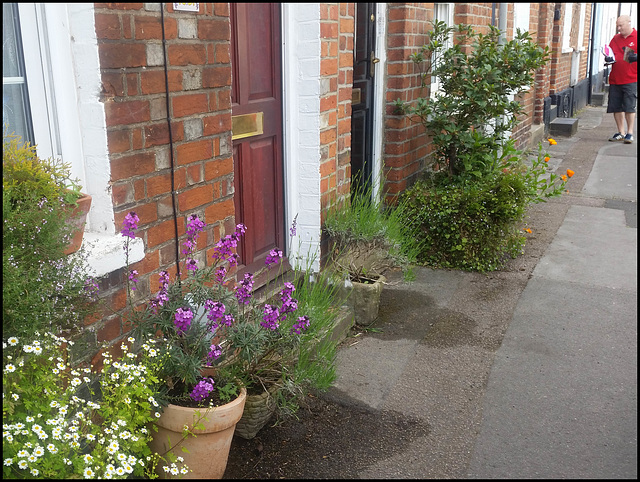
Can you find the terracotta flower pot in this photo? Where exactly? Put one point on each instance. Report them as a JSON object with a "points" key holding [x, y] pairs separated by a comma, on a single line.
{"points": [[78, 220], [209, 449], [258, 409]]}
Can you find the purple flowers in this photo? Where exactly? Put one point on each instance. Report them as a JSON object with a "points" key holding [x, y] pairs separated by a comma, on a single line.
{"points": [[289, 304], [215, 351], [271, 317], [130, 224], [183, 319], [274, 257], [194, 227], [243, 292], [202, 389], [132, 277], [292, 229], [301, 325]]}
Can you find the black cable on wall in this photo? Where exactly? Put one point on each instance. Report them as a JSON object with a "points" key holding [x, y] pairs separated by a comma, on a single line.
{"points": [[173, 190]]}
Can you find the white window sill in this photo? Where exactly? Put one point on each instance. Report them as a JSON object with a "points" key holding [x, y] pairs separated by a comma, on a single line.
{"points": [[106, 252]]}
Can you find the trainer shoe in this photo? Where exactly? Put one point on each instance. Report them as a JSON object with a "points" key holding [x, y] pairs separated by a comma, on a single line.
{"points": [[628, 139], [616, 137]]}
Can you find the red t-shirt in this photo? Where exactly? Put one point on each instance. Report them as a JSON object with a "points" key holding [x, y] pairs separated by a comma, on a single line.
{"points": [[624, 72]]}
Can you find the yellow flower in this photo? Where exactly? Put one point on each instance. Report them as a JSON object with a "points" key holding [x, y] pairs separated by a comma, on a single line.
{"points": [[527, 230], [570, 172], [552, 142], [563, 177], [546, 159]]}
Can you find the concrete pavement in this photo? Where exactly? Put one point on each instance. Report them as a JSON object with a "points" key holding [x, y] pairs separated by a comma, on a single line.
{"points": [[529, 372]]}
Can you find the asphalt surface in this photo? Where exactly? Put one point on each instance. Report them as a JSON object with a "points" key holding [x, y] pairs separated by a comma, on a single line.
{"points": [[530, 371]]}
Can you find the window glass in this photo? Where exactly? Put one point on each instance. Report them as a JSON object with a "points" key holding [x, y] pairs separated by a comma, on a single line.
{"points": [[15, 99], [444, 13]]}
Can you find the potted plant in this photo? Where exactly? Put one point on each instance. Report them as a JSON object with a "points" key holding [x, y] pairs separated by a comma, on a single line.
{"points": [[42, 288], [367, 239], [218, 343]]}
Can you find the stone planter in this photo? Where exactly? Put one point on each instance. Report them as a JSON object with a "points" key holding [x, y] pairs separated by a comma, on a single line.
{"points": [[258, 409], [208, 451], [365, 300]]}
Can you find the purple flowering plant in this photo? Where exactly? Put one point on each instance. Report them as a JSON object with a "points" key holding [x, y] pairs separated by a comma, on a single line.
{"points": [[216, 337]]}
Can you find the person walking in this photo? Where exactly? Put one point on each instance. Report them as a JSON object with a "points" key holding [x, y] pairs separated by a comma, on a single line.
{"points": [[623, 79]]}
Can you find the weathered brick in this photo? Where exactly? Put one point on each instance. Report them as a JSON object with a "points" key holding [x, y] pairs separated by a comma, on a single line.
{"points": [[122, 55], [137, 164], [214, 30], [118, 141], [161, 233], [188, 104], [216, 77], [128, 112], [195, 197], [219, 211], [107, 26], [149, 27], [194, 151], [216, 124], [153, 82], [217, 168], [182, 54]]}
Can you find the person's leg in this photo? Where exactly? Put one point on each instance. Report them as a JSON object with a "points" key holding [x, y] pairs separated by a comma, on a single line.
{"points": [[619, 118], [630, 118]]}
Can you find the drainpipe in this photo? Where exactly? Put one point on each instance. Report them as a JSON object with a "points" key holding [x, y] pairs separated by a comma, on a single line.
{"points": [[502, 22], [493, 14], [591, 49]]}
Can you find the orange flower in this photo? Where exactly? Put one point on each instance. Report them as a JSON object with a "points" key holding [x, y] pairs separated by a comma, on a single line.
{"points": [[563, 177], [546, 159], [570, 172], [552, 142], [527, 230]]}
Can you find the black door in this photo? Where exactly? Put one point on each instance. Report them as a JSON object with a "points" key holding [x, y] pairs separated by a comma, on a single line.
{"points": [[362, 100]]}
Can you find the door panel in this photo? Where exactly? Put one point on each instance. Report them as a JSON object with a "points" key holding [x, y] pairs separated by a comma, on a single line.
{"points": [[256, 88], [362, 107]]}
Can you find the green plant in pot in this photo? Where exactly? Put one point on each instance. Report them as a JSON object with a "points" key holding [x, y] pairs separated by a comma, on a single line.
{"points": [[219, 344], [366, 240], [42, 288]]}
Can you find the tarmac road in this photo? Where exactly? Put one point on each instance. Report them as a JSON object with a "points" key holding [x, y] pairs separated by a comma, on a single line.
{"points": [[531, 371]]}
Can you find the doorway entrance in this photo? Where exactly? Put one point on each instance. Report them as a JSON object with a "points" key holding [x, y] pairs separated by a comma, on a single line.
{"points": [[256, 96], [362, 105]]}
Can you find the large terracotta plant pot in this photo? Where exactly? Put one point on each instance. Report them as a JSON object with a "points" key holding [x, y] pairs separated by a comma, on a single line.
{"points": [[78, 219], [209, 449], [365, 300], [258, 409]]}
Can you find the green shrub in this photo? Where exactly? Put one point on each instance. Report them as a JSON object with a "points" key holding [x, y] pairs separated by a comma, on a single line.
{"points": [[475, 225], [42, 289]]}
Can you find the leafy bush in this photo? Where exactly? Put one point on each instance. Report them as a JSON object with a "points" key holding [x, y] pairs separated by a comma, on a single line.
{"points": [[469, 116], [42, 288], [476, 224]]}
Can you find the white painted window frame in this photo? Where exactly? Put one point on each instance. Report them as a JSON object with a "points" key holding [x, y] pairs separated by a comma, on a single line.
{"points": [[64, 82], [521, 17], [566, 29], [444, 12]]}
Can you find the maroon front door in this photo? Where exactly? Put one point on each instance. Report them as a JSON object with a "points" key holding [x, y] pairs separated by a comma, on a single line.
{"points": [[257, 131]]}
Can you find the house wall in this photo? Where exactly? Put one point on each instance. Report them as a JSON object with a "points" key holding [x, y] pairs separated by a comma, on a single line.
{"points": [[130, 48]]}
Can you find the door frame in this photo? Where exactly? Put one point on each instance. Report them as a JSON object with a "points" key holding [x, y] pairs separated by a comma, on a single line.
{"points": [[301, 53]]}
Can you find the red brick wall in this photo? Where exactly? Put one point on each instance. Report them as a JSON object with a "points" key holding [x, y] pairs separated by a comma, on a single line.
{"points": [[336, 71], [199, 72], [406, 144]]}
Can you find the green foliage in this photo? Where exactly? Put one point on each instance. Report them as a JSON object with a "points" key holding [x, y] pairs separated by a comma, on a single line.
{"points": [[42, 288], [475, 225], [369, 238], [28, 178], [468, 117], [62, 421]]}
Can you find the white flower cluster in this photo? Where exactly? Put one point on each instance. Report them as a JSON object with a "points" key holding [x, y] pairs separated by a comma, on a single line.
{"points": [[66, 428]]}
